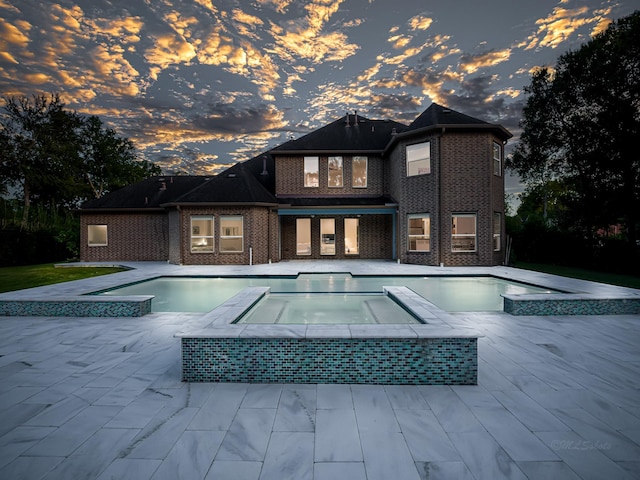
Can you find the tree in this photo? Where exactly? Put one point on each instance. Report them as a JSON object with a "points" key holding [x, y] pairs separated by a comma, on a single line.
{"points": [[36, 137], [107, 161], [580, 125], [58, 159]]}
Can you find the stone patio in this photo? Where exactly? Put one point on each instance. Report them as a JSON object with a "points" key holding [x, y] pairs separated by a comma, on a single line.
{"points": [[558, 397]]}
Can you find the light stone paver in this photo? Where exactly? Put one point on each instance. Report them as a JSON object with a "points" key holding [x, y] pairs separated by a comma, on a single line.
{"points": [[557, 397]]}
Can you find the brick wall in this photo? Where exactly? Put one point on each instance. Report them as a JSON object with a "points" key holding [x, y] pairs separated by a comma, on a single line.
{"points": [[416, 194], [258, 231], [130, 236], [175, 241], [290, 178], [463, 162]]}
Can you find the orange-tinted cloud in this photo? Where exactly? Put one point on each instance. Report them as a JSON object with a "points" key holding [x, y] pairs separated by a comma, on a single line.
{"points": [[557, 27], [125, 30], [420, 22], [472, 63], [306, 39], [168, 50]]}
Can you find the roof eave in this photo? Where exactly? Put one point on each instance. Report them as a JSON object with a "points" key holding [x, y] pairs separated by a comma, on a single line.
{"points": [[325, 152], [219, 204], [506, 134], [121, 210]]}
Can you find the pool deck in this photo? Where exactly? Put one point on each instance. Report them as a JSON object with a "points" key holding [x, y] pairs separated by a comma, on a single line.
{"points": [[558, 397]]}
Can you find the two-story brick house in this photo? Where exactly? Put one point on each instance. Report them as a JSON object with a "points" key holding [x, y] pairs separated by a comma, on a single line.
{"points": [[429, 193]]}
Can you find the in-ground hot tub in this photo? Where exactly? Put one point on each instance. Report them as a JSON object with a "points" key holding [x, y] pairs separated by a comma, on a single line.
{"points": [[327, 309], [427, 352]]}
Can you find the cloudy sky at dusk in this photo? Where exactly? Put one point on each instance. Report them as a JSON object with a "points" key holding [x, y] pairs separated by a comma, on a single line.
{"points": [[200, 84]]}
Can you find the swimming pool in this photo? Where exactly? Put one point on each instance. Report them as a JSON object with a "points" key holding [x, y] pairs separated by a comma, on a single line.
{"points": [[450, 293]]}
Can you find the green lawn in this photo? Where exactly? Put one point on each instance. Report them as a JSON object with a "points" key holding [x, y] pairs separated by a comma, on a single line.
{"points": [[591, 275], [17, 278]]}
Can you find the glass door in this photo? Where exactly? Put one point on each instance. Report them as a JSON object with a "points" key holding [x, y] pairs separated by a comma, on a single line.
{"points": [[327, 236]]}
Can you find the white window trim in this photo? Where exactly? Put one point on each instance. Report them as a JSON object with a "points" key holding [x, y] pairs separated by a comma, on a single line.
{"points": [[228, 237], [366, 171], [322, 233], [497, 160], [497, 240], [304, 173], [465, 235], [428, 235], [212, 236], [341, 172], [428, 159]]}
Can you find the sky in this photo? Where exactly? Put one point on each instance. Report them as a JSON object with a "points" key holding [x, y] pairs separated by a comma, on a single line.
{"points": [[198, 85]]}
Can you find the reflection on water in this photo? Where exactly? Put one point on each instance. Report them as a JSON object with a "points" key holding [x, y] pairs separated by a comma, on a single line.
{"points": [[452, 294]]}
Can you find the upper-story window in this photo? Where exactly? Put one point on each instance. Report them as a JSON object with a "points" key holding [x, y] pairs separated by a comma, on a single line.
{"points": [[335, 171], [497, 159], [311, 171], [359, 172], [418, 159]]}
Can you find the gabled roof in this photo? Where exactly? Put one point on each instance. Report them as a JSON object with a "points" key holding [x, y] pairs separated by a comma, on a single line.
{"points": [[237, 184], [253, 181], [350, 134], [438, 117], [146, 194]]}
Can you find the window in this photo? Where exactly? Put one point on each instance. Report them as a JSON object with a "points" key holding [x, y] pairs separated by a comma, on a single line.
{"points": [[311, 172], [497, 226], [351, 243], [419, 233], [202, 233], [303, 236], [463, 233], [335, 171], [231, 238], [418, 159], [359, 172], [497, 159], [327, 236], [97, 235]]}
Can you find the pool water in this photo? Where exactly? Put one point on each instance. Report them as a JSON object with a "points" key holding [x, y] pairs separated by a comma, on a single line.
{"points": [[332, 308], [202, 294]]}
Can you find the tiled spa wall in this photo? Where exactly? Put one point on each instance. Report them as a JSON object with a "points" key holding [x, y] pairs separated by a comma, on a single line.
{"points": [[382, 361]]}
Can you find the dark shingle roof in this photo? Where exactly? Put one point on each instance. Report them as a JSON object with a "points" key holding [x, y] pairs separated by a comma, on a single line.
{"points": [[146, 194], [237, 184], [344, 136], [437, 116]]}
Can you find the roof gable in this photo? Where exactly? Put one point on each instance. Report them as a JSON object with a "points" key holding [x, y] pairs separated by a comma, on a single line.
{"points": [[437, 116], [237, 184]]}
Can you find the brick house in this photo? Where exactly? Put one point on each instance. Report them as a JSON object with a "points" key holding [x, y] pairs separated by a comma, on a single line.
{"points": [[428, 193]]}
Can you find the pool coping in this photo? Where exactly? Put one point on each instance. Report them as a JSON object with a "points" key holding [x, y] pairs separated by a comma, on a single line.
{"points": [[586, 291], [431, 353], [434, 320]]}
